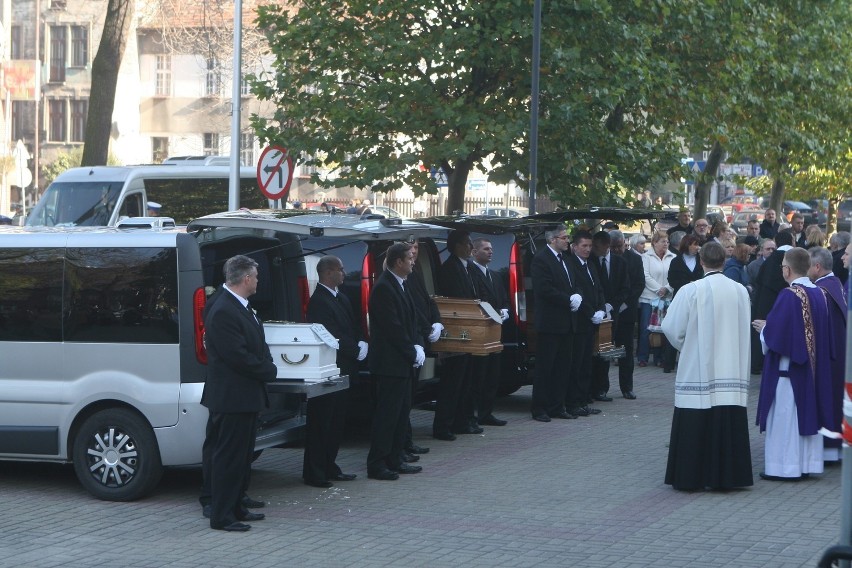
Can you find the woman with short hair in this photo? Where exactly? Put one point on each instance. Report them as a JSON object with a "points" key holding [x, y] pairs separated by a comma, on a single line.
{"points": [[655, 263]]}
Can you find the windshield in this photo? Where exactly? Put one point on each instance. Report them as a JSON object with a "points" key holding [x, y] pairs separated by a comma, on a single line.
{"points": [[75, 203]]}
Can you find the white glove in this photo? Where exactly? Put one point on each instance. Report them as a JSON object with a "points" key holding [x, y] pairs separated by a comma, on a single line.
{"points": [[420, 358], [435, 335], [362, 350], [504, 314], [608, 309], [622, 307], [597, 317], [576, 300]]}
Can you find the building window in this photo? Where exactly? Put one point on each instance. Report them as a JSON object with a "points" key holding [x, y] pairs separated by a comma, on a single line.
{"points": [[213, 80], [57, 54], [245, 88], [19, 121], [79, 46], [247, 148], [164, 76], [16, 43], [79, 112], [57, 120], [159, 149], [211, 144]]}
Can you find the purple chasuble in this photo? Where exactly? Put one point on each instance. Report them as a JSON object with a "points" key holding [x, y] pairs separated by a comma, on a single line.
{"points": [[785, 334]]}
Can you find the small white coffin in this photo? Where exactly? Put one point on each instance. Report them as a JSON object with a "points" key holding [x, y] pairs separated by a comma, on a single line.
{"points": [[302, 351]]}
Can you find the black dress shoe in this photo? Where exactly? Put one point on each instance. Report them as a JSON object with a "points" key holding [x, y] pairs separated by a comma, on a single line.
{"points": [[320, 484], [579, 411], [205, 511], [629, 395], [383, 475], [469, 430], [233, 527], [603, 398], [344, 477], [410, 458], [405, 468], [415, 449], [446, 436], [249, 516], [250, 503], [542, 417], [565, 415], [777, 478], [492, 420]]}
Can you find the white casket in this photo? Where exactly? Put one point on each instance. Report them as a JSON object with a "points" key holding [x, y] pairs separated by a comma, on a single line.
{"points": [[302, 351]]}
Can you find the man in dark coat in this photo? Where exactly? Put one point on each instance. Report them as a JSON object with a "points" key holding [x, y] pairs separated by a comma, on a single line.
{"points": [[837, 245], [769, 227], [625, 327], [612, 269], [395, 353], [769, 283], [589, 316], [239, 365], [326, 414], [556, 302], [454, 388], [486, 369]]}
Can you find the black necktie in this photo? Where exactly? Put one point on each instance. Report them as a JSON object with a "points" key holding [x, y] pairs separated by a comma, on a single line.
{"points": [[251, 313], [605, 271], [589, 272], [564, 267]]}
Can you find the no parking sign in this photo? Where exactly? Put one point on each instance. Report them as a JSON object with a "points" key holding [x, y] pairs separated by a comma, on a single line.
{"points": [[275, 172]]}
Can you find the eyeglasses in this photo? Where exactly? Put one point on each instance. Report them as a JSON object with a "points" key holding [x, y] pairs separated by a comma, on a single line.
{"points": [[562, 238]]}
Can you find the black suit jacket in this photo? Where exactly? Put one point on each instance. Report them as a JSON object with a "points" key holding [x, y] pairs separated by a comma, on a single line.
{"points": [[636, 280], [393, 329], [770, 282], [489, 288], [769, 230], [238, 359], [837, 266], [615, 283], [552, 293], [454, 280], [590, 288], [335, 313], [427, 309]]}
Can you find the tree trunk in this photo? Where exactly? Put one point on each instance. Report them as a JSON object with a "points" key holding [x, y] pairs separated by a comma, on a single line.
{"points": [[705, 181], [456, 185], [105, 76], [776, 198]]}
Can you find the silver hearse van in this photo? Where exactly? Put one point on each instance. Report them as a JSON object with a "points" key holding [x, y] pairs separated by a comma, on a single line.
{"points": [[101, 337]]}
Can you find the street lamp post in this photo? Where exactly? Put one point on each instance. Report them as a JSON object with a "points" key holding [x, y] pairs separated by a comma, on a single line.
{"points": [[536, 58]]}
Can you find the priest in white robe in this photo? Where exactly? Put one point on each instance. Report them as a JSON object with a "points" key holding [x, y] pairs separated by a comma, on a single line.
{"points": [[708, 322]]}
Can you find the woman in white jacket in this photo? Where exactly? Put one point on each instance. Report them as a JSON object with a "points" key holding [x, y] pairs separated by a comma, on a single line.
{"points": [[656, 264]]}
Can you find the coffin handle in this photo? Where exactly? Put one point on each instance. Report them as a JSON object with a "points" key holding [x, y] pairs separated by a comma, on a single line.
{"points": [[299, 362]]}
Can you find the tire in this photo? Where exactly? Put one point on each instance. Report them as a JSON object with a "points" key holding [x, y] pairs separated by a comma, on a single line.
{"points": [[116, 457]]}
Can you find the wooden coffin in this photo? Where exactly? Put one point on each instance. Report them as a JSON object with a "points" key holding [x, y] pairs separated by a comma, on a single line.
{"points": [[470, 326], [603, 346]]}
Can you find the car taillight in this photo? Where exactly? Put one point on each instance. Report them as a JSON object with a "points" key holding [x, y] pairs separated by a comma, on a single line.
{"points": [[304, 295], [367, 277], [199, 300], [517, 292]]}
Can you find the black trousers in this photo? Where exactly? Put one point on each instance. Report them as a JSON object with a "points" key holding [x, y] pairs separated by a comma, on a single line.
{"points": [[233, 436], [580, 378], [206, 496], [554, 358], [624, 334], [409, 432], [326, 416], [485, 375], [453, 400], [393, 404]]}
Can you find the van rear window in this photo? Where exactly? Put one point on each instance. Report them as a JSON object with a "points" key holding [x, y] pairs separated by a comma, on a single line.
{"points": [[121, 295]]}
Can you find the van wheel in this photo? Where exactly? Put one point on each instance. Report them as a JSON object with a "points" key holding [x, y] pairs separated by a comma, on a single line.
{"points": [[116, 457]]}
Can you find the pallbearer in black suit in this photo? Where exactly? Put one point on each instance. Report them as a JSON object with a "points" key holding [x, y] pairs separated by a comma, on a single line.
{"points": [[624, 328], [395, 354], [590, 314], [556, 302], [239, 364], [326, 414], [486, 369], [455, 281], [613, 279]]}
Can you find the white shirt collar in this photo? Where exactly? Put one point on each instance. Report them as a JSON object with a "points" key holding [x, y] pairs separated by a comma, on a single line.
{"points": [[398, 279], [826, 276], [332, 290], [483, 268], [242, 300], [803, 281]]}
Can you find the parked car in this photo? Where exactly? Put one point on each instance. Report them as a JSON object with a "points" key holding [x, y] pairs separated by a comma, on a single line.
{"points": [[820, 208], [740, 201], [790, 207], [741, 219], [515, 241], [386, 211], [503, 211]]}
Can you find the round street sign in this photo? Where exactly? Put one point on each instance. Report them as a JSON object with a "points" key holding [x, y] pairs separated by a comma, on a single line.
{"points": [[274, 172]]}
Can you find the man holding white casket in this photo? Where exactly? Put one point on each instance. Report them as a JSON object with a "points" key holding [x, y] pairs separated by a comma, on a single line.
{"points": [[326, 414], [396, 353]]}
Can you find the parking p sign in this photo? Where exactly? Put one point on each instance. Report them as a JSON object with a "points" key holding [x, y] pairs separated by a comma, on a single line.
{"points": [[275, 172]]}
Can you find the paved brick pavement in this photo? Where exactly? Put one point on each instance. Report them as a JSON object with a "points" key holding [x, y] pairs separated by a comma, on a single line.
{"points": [[586, 492]]}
